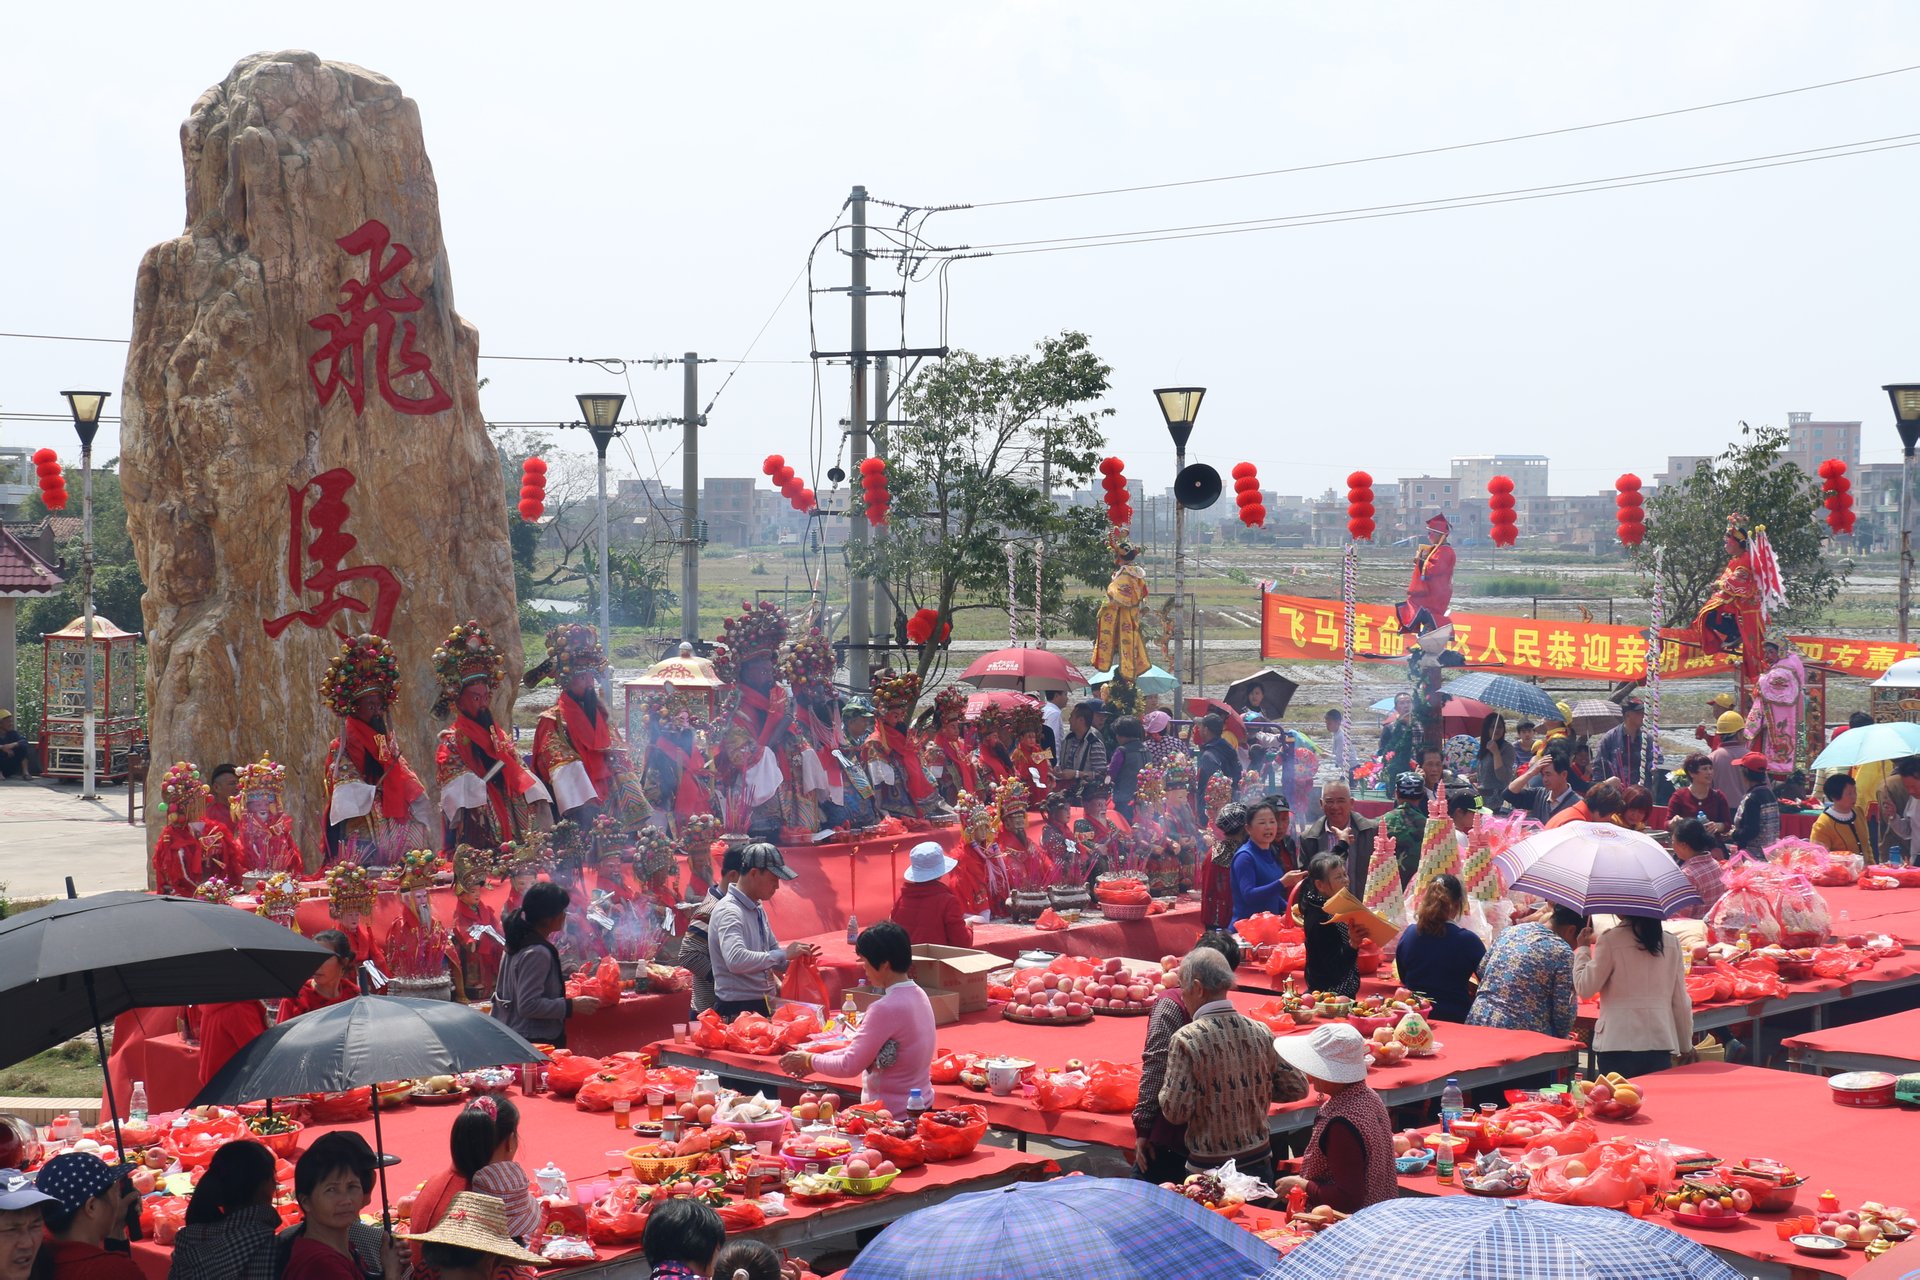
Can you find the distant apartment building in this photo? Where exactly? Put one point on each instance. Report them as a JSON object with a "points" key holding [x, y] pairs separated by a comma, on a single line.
{"points": [[1811, 443], [1528, 471], [1422, 497], [727, 504], [1680, 467]]}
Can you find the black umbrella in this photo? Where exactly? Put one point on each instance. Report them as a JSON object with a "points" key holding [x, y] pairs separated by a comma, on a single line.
{"points": [[1275, 689], [365, 1041], [70, 964]]}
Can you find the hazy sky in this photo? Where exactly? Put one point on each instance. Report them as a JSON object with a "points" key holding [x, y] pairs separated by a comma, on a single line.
{"points": [[639, 179]]}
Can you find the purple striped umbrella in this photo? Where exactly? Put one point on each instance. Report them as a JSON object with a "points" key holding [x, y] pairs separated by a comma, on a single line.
{"points": [[1598, 869]]}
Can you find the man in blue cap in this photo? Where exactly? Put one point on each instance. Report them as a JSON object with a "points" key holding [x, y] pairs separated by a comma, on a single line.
{"points": [[89, 1208]]}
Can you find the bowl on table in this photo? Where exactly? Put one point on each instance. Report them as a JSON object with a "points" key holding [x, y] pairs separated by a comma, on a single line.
{"points": [[1414, 1161]]}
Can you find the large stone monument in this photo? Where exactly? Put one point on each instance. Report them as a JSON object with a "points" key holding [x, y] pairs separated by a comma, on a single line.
{"points": [[303, 451]]}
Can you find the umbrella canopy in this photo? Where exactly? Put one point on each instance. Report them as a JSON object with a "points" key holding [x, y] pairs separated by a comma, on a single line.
{"points": [[138, 950], [679, 673], [364, 1041], [1596, 868], [1384, 705], [1463, 715], [1276, 691], [1869, 743], [1904, 674], [1113, 1228], [1035, 670], [1152, 680], [1504, 692], [1462, 1238], [1594, 715], [1006, 699], [1236, 727]]}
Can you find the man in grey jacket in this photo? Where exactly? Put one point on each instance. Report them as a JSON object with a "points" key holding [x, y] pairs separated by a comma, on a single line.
{"points": [[747, 959], [1340, 825]]}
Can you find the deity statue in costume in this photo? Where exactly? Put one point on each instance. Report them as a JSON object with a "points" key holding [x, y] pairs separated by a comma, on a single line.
{"points": [[479, 942], [1779, 697], [1028, 865], [958, 769], [900, 782], [487, 796], [761, 790], [807, 667], [1118, 638], [1430, 589], [994, 760], [1734, 618], [376, 807], [417, 948], [1178, 819], [350, 897], [679, 774], [266, 828], [982, 879], [179, 859], [1057, 839], [578, 753], [1032, 762]]}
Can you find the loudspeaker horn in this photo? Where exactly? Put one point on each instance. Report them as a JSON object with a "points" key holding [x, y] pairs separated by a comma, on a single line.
{"points": [[1197, 487]]}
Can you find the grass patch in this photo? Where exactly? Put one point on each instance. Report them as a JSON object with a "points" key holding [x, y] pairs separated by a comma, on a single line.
{"points": [[71, 1070]]}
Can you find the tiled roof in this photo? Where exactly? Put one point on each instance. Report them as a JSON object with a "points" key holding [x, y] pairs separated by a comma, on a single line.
{"points": [[22, 573]]}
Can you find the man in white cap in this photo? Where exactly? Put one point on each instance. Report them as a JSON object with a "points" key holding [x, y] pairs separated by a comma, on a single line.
{"points": [[928, 908], [1348, 1163], [21, 1231]]}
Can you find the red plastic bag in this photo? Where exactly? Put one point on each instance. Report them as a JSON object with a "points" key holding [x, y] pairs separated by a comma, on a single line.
{"points": [[742, 1215], [1073, 966], [1261, 926], [953, 1132], [1287, 957], [803, 982], [339, 1108], [620, 1216], [794, 1023], [752, 1033], [1708, 988], [1050, 920], [1274, 1016], [1059, 1092], [562, 1217], [1368, 959], [710, 1032], [907, 1153], [1112, 1088], [948, 1066], [566, 1072], [1575, 1138], [1838, 962]]}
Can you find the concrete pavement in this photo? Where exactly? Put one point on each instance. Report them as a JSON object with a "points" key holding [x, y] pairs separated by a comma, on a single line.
{"points": [[47, 832]]}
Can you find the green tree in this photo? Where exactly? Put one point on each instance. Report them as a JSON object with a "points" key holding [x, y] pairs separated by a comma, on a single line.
{"points": [[964, 473], [1688, 523]]}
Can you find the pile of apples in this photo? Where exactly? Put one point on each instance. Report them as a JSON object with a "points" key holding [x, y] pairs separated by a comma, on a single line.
{"points": [[1384, 1050], [1707, 1200], [814, 1108], [1613, 1097], [1048, 997], [1871, 1221], [700, 1109], [1119, 989], [860, 1167]]}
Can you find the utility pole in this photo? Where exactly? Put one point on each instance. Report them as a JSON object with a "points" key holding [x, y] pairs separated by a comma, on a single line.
{"points": [[690, 499], [882, 418], [1046, 493], [857, 620]]}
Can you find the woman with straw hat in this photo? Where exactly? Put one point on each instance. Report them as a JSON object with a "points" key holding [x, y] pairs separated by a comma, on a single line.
{"points": [[471, 1242]]}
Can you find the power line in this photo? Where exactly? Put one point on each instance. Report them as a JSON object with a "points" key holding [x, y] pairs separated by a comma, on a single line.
{"points": [[1519, 195], [66, 337], [1441, 150]]}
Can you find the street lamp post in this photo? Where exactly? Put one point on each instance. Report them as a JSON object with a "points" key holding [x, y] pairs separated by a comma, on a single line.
{"points": [[1179, 406], [602, 413], [1906, 417], [86, 406]]}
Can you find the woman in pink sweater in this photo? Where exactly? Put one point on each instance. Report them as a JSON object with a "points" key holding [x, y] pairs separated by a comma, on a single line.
{"points": [[894, 1042]]}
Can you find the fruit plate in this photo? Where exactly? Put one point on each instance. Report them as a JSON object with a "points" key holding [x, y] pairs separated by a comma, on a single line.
{"points": [[1009, 1014], [441, 1099], [1814, 1243], [1505, 1193], [861, 1186], [1719, 1222]]}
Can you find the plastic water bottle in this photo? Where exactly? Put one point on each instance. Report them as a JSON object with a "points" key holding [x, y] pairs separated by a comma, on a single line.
{"points": [[853, 929], [849, 1011], [1453, 1103], [1896, 856], [137, 1105], [916, 1105]]}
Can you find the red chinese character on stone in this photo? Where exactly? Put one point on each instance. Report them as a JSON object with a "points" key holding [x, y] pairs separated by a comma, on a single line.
{"points": [[368, 305], [331, 545]]}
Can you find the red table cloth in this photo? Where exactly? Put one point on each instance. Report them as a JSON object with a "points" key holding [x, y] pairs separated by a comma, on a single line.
{"points": [[637, 1021], [1739, 1113], [580, 1143], [1895, 1036]]}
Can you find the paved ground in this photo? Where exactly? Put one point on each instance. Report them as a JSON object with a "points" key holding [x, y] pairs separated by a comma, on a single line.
{"points": [[47, 832]]}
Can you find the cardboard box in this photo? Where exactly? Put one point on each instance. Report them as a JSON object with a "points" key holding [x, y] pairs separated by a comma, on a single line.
{"points": [[946, 1004], [960, 969]]}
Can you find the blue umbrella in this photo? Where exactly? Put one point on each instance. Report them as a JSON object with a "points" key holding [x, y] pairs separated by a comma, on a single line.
{"points": [[1503, 691], [1110, 1228], [1152, 680], [1462, 1238], [1385, 704], [1869, 743]]}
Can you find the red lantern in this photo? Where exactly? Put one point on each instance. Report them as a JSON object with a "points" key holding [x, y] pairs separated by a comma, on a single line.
{"points": [[879, 498], [1246, 493], [1502, 523], [773, 464], [1113, 479], [1360, 506], [53, 480], [1838, 496], [1630, 516], [533, 489]]}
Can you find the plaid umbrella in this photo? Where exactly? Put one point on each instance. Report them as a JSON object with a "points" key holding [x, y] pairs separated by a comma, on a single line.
{"points": [[1112, 1228], [1597, 868], [1461, 1238], [1594, 715], [1513, 695]]}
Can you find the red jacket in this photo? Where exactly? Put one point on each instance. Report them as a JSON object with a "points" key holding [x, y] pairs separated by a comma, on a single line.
{"points": [[226, 1029], [931, 914]]}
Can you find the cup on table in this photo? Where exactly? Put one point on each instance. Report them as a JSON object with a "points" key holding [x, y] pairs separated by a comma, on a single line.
{"points": [[679, 1033], [530, 1078], [622, 1113], [656, 1104]]}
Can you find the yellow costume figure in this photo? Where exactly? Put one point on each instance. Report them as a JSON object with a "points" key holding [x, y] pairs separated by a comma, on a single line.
{"points": [[1118, 637]]}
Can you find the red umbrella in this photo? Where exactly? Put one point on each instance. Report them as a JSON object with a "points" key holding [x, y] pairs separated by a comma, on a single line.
{"points": [[1236, 727], [1034, 670], [1005, 699], [1463, 715]]}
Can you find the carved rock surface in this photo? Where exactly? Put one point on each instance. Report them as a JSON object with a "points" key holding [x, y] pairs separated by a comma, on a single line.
{"points": [[222, 418]]}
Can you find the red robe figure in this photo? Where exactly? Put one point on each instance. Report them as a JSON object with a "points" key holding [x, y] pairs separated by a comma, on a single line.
{"points": [[479, 943], [958, 771], [982, 879], [221, 853], [266, 828], [350, 897], [179, 856], [1732, 621], [578, 752], [376, 806], [1430, 589], [487, 797], [226, 1029]]}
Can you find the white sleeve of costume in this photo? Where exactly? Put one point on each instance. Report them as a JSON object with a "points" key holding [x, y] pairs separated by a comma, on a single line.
{"points": [[350, 800], [537, 792], [882, 772], [573, 787], [763, 779], [463, 792], [813, 777]]}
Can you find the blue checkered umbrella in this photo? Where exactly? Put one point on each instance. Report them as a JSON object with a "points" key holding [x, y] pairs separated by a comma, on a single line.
{"points": [[1504, 692], [1110, 1228], [1461, 1238]]}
